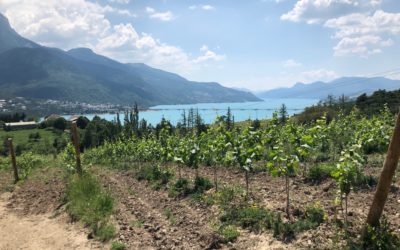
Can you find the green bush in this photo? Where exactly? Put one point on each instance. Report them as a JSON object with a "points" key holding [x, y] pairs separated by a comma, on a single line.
{"points": [[257, 219], [315, 213], [27, 162], [229, 233], [117, 245], [180, 188], [320, 172], [155, 175], [253, 218], [366, 181], [201, 184], [380, 238], [229, 196], [105, 232]]}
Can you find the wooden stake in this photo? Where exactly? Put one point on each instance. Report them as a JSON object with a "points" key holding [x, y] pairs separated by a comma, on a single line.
{"points": [[13, 160], [385, 180], [75, 139]]}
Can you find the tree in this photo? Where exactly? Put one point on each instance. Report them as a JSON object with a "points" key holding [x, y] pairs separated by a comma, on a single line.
{"points": [[60, 123], [229, 120], [347, 173], [283, 114], [82, 122], [282, 159]]}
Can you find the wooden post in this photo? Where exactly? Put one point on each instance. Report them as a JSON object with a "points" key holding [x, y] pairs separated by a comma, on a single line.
{"points": [[385, 180], [75, 139], [13, 160]]}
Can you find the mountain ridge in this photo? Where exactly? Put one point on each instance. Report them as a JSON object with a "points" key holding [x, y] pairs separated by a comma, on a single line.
{"points": [[348, 86], [80, 75]]}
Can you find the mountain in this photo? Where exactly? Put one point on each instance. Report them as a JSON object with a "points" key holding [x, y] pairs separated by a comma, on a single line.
{"points": [[10, 39], [34, 71], [348, 86]]}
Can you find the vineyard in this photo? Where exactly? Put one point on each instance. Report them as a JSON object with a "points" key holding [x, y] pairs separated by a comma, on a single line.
{"points": [[278, 185]]}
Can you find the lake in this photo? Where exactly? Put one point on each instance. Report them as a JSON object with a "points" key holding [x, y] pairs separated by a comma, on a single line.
{"points": [[209, 111]]}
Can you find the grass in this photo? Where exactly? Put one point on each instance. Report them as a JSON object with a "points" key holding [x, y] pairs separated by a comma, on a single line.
{"points": [[320, 172], [117, 245], [170, 216], [258, 219], [88, 203], [183, 188], [229, 233], [22, 141], [156, 175], [136, 223]]}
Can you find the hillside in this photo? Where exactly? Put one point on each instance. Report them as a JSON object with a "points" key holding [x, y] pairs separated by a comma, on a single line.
{"points": [[33, 71], [348, 86]]}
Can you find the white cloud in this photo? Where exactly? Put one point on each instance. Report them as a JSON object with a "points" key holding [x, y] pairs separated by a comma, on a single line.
{"points": [[362, 46], [61, 23], [207, 7], [364, 24], [202, 7], [69, 24], [208, 55], [364, 34], [290, 63], [316, 11], [120, 1], [360, 26], [150, 10], [162, 16]]}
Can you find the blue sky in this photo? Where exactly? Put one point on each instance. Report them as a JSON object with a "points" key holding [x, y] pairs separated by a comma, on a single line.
{"points": [[259, 44]]}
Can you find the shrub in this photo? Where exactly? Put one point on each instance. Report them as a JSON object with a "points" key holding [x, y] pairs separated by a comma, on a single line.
{"points": [[228, 197], [257, 219], [381, 237], [320, 172], [365, 181], [253, 217], [180, 188], [26, 163], [201, 184], [105, 232], [315, 213], [117, 245], [155, 175], [229, 233]]}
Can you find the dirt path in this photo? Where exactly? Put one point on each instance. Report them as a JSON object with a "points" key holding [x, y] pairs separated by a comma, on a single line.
{"points": [[38, 231]]}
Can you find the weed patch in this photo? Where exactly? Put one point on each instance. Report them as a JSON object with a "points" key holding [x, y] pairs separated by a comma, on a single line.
{"points": [[257, 219], [155, 175], [90, 204], [117, 245], [320, 172]]}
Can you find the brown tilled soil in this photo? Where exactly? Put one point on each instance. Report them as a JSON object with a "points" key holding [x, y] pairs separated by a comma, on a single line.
{"points": [[150, 219], [143, 222]]}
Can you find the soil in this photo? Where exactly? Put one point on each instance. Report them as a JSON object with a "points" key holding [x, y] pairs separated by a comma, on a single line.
{"points": [[31, 218], [150, 219]]}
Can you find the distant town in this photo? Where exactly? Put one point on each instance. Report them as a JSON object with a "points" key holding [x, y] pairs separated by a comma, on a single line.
{"points": [[38, 107]]}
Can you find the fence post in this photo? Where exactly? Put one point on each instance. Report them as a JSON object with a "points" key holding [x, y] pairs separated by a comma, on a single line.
{"points": [[13, 160], [385, 180], [75, 139]]}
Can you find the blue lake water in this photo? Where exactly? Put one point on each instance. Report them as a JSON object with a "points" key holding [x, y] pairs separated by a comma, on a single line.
{"points": [[209, 111]]}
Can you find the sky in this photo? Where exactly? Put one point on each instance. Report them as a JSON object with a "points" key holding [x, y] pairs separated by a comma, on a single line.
{"points": [[253, 44]]}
